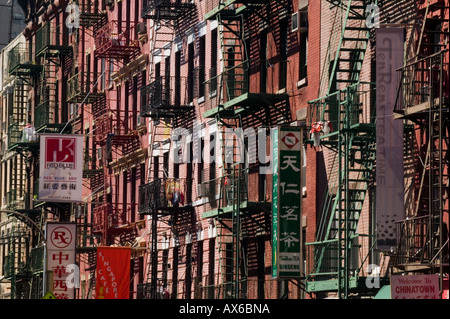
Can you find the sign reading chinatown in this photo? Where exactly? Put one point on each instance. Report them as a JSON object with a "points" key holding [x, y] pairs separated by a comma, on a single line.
{"points": [[415, 287], [61, 168], [286, 199], [113, 273], [61, 244]]}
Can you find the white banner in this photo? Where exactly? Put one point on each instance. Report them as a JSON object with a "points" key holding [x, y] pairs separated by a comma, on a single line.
{"points": [[61, 245], [61, 168]]}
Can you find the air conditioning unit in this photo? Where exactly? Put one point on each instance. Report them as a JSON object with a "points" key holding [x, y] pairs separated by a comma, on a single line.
{"points": [[202, 190], [141, 28], [299, 21], [73, 109]]}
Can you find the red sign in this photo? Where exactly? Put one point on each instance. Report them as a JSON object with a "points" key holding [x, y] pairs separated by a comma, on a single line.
{"points": [[113, 273], [290, 140], [415, 287], [61, 168], [445, 288], [60, 151]]}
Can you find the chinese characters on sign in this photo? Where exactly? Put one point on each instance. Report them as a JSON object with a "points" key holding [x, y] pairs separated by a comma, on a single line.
{"points": [[61, 171], [61, 243], [287, 203]]}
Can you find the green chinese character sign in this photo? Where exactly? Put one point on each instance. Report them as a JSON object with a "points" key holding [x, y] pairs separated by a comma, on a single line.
{"points": [[287, 195]]}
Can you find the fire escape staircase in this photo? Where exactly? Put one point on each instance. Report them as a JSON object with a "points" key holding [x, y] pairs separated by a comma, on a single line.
{"points": [[335, 258], [163, 101], [231, 101], [52, 50], [234, 96], [423, 98]]}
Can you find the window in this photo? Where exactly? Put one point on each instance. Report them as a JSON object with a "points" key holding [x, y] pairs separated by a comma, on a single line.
{"points": [[303, 34], [191, 72], [201, 166], [110, 72], [211, 272], [188, 273], [213, 68], [201, 68], [199, 274], [282, 73], [175, 273], [263, 59]]}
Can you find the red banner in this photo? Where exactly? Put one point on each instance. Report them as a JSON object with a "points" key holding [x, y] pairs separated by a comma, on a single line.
{"points": [[113, 273]]}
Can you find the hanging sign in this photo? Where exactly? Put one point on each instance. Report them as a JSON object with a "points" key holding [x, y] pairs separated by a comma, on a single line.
{"points": [[113, 273], [61, 168], [275, 204], [61, 245], [415, 287], [389, 152], [287, 206]]}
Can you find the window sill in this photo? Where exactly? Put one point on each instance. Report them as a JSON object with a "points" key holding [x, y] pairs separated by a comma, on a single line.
{"points": [[302, 83]]}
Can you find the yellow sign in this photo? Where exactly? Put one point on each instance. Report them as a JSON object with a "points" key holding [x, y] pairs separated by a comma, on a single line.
{"points": [[49, 295]]}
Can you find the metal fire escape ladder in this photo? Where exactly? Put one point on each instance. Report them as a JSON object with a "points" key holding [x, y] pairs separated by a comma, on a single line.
{"points": [[233, 191], [231, 281], [164, 16], [336, 266], [351, 48], [423, 98], [45, 112]]}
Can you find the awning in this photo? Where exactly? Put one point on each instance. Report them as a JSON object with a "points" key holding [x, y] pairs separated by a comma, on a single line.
{"points": [[384, 293]]}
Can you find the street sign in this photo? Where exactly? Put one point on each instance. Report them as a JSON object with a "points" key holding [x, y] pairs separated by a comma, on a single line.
{"points": [[287, 193], [49, 295], [415, 287]]}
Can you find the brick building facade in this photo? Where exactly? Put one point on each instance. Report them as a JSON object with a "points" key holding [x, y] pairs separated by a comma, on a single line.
{"points": [[153, 86]]}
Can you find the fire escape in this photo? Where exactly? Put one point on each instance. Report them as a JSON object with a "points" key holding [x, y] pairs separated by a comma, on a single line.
{"points": [[229, 99], [21, 136], [82, 90], [423, 99], [335, 260], [90, 12], [51, 48], [164, 102], [23, 141], [115, 136]]}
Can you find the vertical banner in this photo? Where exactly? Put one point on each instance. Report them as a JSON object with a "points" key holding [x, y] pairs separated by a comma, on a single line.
{"points": [[113, 273], [60, 254], [389, 152], [288, 205], [275, 153], [61, 168]]}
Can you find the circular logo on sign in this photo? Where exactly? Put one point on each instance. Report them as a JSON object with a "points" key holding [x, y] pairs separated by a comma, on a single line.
{"points": [[61, 237], [290, 140]]}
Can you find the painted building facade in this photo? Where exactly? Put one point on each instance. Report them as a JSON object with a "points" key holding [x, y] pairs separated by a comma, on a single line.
{"points": [[155, 86]]}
